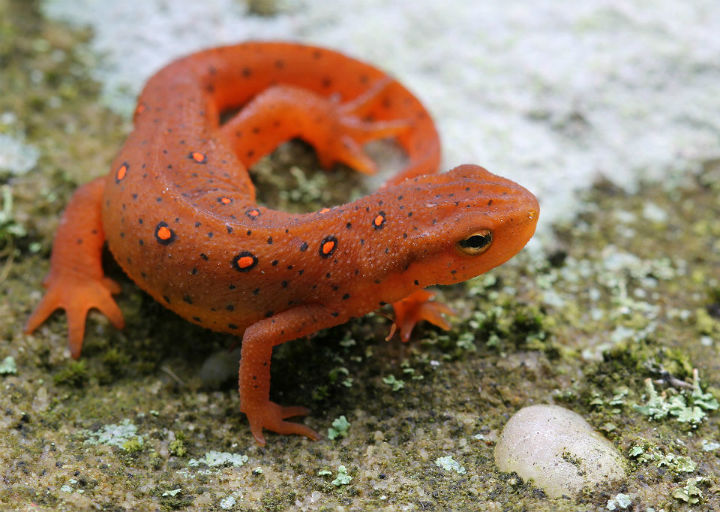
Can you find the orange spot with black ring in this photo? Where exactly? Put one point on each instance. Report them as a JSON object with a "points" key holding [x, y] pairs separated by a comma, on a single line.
{"points": [[198, 157], [163, 234], [121, 172], [328, 246], [244, 261], [379, 220]]}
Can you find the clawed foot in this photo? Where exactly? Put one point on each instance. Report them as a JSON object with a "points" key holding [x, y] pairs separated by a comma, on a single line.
{"points": [[352, 130], [76, 295], [270, 416], [416, 307]]}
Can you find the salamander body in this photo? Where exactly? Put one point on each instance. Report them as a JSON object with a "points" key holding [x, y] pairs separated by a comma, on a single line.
{"points": [[178, 210]]}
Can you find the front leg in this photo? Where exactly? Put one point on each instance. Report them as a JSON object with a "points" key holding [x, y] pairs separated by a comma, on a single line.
{"points": [[416, 307], [254, 377], [76, 281]]}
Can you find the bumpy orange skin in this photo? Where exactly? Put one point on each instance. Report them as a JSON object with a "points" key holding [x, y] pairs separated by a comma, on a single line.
{"points": [[178, 210]]}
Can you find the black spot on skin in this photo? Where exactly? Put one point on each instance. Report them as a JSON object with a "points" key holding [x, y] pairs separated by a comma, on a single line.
{"points": [[230, 307], [303, 247], [194, 271], [197, 319], [204, 256], [268, 314], [232, 287], [198, 224], [284, 284], [346, 296], [166, 299], [256, 291], [229, 229], [269, 240], [187, 298], [274, 263], [233, 326]]}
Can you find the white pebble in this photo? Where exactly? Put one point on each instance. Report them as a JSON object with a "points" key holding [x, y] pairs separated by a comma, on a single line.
{"points": [[558, 450]]}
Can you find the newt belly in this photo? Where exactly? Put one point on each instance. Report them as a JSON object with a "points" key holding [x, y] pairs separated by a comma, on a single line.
{"points": [[178, 210]]}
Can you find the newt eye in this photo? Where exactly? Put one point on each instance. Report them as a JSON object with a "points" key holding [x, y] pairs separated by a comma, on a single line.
{"points": [[477, 243]]}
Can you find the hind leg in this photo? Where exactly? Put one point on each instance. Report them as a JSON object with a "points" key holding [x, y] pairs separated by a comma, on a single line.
{"points": [[336, 131]]}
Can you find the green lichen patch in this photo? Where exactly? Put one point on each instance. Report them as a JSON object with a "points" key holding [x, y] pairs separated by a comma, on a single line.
{"points": [[449, 464], [8, 366], [214, 459], [690, 407], [339, 429], [122, 435]]}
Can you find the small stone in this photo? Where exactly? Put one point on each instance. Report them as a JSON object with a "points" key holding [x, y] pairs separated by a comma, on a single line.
{"points": [[558, 450]]}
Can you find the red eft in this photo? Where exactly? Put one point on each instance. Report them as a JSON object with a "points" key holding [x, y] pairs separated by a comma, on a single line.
{"points": [[178, 211]]}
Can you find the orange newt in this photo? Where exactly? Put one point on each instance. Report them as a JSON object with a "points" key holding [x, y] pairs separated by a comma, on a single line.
{"points": [[178, 211]]}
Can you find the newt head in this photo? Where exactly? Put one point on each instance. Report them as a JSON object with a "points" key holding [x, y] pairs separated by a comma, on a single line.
{"points": [[469, 221]]}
